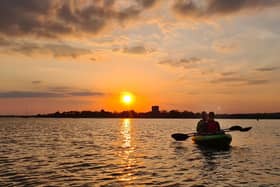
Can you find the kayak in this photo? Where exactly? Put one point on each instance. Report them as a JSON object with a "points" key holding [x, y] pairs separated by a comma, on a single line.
{"points": [[213, 141]]}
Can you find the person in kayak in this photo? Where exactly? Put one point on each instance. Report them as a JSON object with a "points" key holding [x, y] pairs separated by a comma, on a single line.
{"points": [[213, 127], [201, 127]]}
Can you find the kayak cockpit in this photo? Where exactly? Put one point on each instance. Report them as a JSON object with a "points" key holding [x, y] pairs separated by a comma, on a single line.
{"points": [[213, 141]]}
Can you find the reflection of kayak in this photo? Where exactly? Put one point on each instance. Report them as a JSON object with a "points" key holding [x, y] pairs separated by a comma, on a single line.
{"points": [[214, 141]]}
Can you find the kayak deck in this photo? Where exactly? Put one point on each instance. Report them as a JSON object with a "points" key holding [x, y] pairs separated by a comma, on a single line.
{"points": [[215, 140]]}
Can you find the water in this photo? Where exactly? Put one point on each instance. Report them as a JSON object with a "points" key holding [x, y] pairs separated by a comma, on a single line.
{"points": [[133, 152]]}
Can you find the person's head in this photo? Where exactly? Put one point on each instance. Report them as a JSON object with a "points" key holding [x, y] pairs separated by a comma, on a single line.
{"points": [[211, 115], [204, 115]]}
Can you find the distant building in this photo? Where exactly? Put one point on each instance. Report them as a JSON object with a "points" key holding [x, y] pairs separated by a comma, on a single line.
{"points": [[155, 109]]}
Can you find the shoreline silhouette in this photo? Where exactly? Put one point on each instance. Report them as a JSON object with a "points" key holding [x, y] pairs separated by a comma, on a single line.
{"points": [[159, 114]]}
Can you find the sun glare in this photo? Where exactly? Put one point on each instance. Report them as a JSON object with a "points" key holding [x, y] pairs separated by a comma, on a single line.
{"points": [[127, 98]]}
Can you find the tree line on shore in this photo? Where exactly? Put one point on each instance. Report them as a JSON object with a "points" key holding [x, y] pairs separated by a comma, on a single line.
{"points": [[159, 114]]}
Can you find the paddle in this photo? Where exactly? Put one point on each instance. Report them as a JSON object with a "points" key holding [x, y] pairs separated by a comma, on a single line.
{"points": [[183, 137], [238, 128]]}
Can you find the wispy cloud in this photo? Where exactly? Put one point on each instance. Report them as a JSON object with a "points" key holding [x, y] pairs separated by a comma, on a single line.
{"points": [[228, 73], [258, 81], [30, 48], [36, 82], [70, 91], [274, 68], [191, 62], [230, 79], [29, 94], [86, 93], [60, 88], [239, 80], [51, 92]]}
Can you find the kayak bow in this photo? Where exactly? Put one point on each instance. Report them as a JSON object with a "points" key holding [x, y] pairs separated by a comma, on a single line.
{"points": [[215, 140]]}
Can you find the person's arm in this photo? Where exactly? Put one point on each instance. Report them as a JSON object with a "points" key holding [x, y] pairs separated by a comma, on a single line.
{"points": [[198, 127]]}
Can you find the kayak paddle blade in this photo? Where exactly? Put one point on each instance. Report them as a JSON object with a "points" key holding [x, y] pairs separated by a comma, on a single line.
{"points": [[235, 128], [238, 128], [245, 129], [180, 136]]}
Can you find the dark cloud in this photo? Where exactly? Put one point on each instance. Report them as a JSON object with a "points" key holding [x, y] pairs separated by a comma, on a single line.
{"points": [[50, 92], [28, 94], [137, 49], [70, 91], [53, 18], [47, 94], [267, 69], [204, 8]]}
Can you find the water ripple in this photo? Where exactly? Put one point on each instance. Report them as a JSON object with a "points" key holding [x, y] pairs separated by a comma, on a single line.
{"points": [[116, 152]]}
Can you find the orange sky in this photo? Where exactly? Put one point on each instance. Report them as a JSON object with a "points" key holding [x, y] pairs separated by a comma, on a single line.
{"points": [[186, 55]]}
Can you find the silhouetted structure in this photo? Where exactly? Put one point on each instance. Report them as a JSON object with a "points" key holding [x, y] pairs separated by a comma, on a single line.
{"points": [[155, 109]]}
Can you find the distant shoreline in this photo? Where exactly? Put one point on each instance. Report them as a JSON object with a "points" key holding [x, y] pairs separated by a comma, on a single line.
{"points": [[173, 114], [34, 117]]}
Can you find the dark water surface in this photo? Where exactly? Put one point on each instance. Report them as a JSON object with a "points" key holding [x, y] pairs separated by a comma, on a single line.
{"points": [[133, 152]]}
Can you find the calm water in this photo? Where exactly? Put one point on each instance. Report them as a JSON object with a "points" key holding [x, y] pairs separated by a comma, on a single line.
{"points": [[135, 152]]}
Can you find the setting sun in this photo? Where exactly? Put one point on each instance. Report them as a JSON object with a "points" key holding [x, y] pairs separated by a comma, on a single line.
{"points": [[127, 98]]}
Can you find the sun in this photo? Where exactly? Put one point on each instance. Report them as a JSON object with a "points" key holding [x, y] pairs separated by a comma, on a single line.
{"points": [[127, 98]]}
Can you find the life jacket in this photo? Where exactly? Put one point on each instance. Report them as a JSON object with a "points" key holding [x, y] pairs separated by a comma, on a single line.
{"points": [[213, 127]]}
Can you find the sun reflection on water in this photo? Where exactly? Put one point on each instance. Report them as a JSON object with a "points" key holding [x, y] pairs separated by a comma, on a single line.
{"points": [[125, 131], [126, 154]]}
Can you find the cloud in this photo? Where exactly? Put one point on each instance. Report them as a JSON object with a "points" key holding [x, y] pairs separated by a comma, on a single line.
{"points": [[93, 59], [30, 48], [267, 69], [57, 50], [228, 73], [47, 94], [36, 82], [139, 49], [205, 8], [28, 94], [54, 18], [86, 93], [256, 82], [70, 91], [184, 62], [230, 79], [60, 88], [239, 80]]}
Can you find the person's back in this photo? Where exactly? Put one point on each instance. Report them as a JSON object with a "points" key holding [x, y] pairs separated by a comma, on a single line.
{"points": [[213, 126], [201, 127]]}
